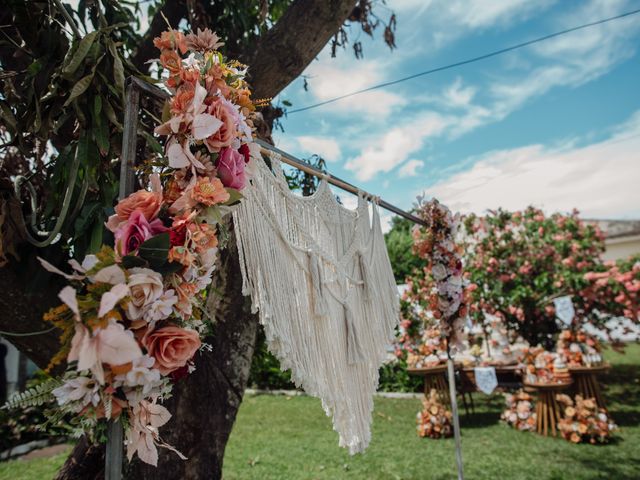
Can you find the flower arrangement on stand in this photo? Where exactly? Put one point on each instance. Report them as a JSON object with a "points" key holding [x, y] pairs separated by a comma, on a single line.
{"points": [[431, 351], [579, 349], [583, 422], [544, 367], [519, 413], [437, 244], [434, 420], [133, 316]]}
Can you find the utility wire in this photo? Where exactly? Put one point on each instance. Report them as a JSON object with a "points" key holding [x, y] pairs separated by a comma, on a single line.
{"points": [[465, 62]]}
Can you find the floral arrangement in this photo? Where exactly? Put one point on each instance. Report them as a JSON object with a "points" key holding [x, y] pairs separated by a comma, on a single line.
{"points": [[583, 421], [430, 352], [434, 421], [437, 244], [544, 367], [133, 316], [579, 349], [519, 413]]}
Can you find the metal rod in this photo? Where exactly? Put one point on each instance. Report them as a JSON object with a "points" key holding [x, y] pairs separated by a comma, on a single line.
{"points": [[115, 447], [333, 180], [456, 419], [115, 433]]}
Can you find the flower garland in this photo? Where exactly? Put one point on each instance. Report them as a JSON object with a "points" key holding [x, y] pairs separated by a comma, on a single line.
{"points": [[437, 244], [434, 421], [583, 421], [519, 413], [134, 317]]}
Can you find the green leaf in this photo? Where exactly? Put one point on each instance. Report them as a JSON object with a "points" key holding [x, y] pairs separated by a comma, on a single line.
{"points": [[234, 196], [155, 250], [95, 243], [79, 88], [170, 267], [131, 261], [286, 103], [152, 142], [118, 73], [111, 114], [80, 54]]}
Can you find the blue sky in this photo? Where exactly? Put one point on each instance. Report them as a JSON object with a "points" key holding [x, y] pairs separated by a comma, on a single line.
{"points": [[556, 124]]}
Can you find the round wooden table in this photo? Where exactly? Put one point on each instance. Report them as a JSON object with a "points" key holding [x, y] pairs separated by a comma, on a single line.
{"points": [[434, 378], [547, 408], [586, 382]]}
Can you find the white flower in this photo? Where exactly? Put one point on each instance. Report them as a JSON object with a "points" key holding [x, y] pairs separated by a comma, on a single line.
{"points": [[146, 287], [439, 271], [161, 307], [205, 279], [83, 390]]}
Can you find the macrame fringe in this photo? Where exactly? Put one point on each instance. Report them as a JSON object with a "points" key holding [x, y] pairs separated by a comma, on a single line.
{"points": [[320, 278]]}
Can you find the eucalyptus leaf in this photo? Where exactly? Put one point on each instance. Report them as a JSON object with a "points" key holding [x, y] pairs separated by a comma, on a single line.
{"points": [[81, 52], [79, 88], [131, 261]]}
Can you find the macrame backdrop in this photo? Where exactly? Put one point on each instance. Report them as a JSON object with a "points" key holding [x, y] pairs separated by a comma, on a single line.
{"points": [[320, 277]]}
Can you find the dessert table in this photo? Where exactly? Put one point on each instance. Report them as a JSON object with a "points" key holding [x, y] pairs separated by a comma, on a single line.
{"points": [[586, 382], [547, 409]]}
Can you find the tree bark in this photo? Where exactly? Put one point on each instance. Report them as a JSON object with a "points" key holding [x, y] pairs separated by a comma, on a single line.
{"points": [[284, 52]]}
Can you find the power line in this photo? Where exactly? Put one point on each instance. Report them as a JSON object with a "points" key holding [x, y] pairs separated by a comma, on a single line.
{"points": [[465, 62]]}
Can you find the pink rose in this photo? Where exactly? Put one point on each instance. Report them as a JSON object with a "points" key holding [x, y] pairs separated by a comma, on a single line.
{"points": [[172, 347], [230, 167], [227, 131], [149, 203], [136, 230]]}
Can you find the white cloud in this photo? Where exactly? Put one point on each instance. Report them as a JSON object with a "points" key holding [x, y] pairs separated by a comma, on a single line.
{"points": [[326, 147], [600, 179], [330, 78], [410, 168], [394, 147]]}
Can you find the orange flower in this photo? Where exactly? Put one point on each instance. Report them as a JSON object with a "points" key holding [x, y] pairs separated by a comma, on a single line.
{"points": [[171, 61], [575, 438], [203, 236], [182, 100], [172, 347], [171, 40], [181, 255], [209, 192]]}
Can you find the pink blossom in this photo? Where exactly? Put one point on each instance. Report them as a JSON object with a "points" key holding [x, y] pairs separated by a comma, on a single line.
{"points": [[135, 231], [230, 167]]}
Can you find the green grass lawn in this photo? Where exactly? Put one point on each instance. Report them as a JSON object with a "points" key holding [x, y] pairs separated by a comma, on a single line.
{"points": [[290, 438]]}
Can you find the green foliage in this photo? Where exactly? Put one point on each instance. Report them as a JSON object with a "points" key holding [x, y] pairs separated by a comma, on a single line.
{"points": [[35, 396], [400, 248], [265, 368], [31, 415]]}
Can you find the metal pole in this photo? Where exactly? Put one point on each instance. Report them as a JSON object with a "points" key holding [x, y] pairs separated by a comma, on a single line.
{"points": [[454, 413], [333, 180], [115, 434], [115, 447]]}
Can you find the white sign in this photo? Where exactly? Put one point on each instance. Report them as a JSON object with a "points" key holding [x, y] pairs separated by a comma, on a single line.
{"points": [[486, 379], [564, 309]]}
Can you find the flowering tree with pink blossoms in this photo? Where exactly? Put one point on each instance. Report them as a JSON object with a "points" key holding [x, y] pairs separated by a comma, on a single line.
{"points": [[518, 262]]}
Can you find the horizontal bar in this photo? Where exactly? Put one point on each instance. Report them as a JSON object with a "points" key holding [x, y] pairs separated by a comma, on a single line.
{"points": [[289, 159], [333, 180]]}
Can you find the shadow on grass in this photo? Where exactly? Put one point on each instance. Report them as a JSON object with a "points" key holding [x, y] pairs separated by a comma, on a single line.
{"points": [[480, 420], [603, 468]]}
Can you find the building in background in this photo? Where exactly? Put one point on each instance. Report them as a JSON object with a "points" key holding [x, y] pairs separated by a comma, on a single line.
{"points": [[622, 238]]}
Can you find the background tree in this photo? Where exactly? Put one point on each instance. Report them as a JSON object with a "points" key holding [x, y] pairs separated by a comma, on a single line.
{"points": [[62, 72], [399, 245], [518, 262]]}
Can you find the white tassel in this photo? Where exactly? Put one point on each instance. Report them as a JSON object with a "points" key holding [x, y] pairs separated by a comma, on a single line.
{"points": [[320, 307], [367, 279], [354, 350]]}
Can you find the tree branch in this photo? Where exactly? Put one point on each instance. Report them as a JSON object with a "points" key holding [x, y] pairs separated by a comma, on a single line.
{"points": [[283, 53]]}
